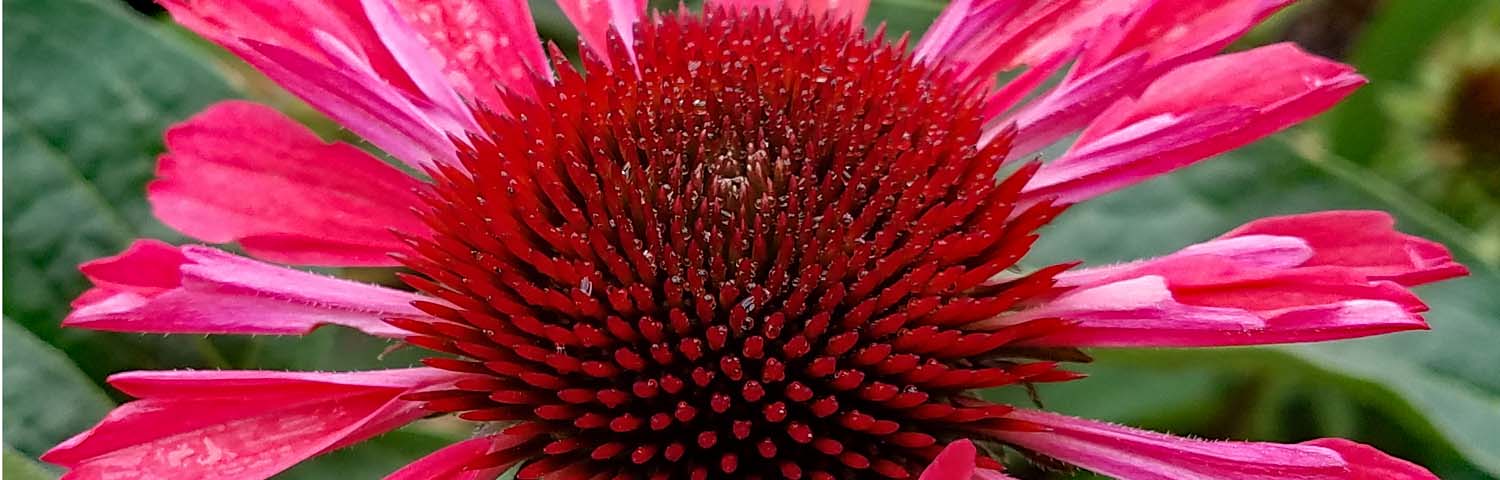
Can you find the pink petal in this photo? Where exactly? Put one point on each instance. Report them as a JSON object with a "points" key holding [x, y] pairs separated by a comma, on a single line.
{"points": [[1121, 45], [238, 424], [1174, 32], [292, 24], [1299, 278], [1362, 241], [595, 18], [1148, 311], [242, 172], [480, 44], [957, 462], [1253, 251], [158, 288], [1147, 148], [345, 92], [1281, 81], [1133, 454], [1180, 118], [358, 61], [449, 463], [1367, 463], [452, 462], [1072, 104], [984, 37], [1156, 35]]}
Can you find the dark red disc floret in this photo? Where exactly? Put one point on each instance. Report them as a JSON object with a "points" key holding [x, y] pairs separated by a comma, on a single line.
{"points": [[755, 248]]}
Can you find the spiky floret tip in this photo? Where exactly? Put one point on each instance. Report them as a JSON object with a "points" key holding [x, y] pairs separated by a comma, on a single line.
{"points": [[758, 253]]}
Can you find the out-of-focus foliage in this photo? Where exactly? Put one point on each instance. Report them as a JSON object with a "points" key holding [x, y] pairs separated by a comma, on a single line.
{"points": [[85, 106], [39, 379], [17, 466], [1429, 122]]}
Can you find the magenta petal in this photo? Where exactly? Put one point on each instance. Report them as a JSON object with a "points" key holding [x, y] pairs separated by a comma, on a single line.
{"points": [[238, 424], [1251, 251], [955, 462], [1298, 278], [1072, 104], [1145, 149], [291, 24], [1174, 32], [450, 462], [595, 19], [1266, 90], [243, 172], [1367, 463], [344, 92], [983, 37], [1362, 241], [379, 79], [1281, 81], [1133, 454], [479, 44], [1159, 311], [157, 288]]}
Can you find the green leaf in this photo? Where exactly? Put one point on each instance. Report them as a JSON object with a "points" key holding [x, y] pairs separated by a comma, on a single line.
{"points": [[903, 16], [89, 88], [1451, 375], [1387, 52], [1444, 382], [15, 466], [47, 399]]}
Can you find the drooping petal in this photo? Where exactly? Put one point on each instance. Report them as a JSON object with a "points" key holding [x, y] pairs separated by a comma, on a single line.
{"points": [[595, 19], [238, 424], [1364, 241], [1148, 312], [242, 172], [1254, 251], [1308, 277], [1072, 104], [1120, 46], [294, 25], [1174, 32], [381, 79], [481, 45], [955, 462], [1367, 463], [983, 37], [1194, 112], [1133, 454], [450, 463], [158, 288], [346, 92]]}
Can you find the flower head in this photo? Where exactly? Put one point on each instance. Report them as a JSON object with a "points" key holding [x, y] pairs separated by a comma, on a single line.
{"points": [[754, 242]]}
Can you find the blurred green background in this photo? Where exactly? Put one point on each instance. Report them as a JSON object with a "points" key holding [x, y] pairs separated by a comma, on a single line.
{"points": [[91, 84]]}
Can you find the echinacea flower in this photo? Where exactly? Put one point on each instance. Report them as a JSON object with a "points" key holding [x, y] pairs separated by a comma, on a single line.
{"points": [[751, 243]]}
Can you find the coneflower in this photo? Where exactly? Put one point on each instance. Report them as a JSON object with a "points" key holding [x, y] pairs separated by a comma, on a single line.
{"points": [[753, 243]]}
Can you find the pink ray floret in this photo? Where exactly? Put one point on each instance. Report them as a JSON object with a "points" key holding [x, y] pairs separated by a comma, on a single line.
{"points": [[155, 287], [238, 424], [1299, 278]]}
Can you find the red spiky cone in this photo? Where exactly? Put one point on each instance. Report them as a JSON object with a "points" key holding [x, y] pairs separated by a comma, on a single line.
{"points": [[751, 255]]}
